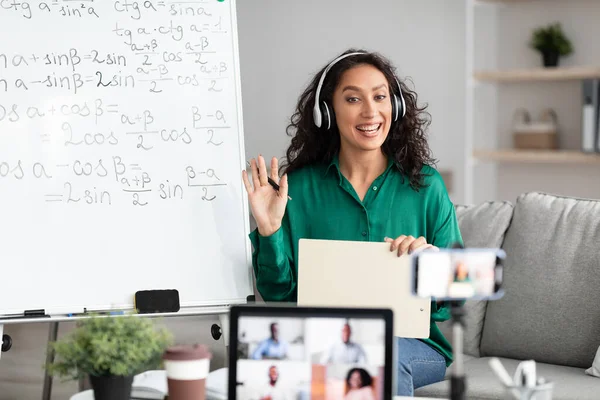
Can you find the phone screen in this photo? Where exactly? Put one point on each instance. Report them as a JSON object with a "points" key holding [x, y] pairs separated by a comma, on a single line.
{"points": [[458, 274]]}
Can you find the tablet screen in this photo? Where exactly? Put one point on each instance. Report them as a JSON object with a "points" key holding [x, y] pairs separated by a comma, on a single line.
{"points": [[310, 358]]}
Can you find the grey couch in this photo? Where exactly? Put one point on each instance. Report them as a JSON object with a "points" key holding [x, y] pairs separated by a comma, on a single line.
{"points": [[551, 310]]}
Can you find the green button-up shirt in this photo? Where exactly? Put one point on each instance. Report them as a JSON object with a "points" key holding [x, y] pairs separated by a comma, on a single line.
{"points": [[326, 206]]}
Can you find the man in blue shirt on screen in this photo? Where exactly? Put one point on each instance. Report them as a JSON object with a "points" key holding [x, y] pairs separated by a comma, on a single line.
{"points": [[273, 347]]}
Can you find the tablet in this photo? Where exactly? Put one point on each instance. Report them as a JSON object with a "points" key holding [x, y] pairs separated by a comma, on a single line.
{"points": [[289, 352]]}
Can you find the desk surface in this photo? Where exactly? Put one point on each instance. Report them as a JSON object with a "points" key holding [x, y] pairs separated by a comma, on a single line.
{"points": [[216, 385], [88, 395]]}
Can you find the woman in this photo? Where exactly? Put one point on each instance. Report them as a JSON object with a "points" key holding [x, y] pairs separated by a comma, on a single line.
{"points": [[359, 385], [363, 174]]}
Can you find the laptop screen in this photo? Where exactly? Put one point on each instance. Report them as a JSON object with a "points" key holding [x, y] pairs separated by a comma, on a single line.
{"points": [[320, 354]]}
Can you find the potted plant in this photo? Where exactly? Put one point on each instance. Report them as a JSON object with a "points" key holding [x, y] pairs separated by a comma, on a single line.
{"points": [[110, 350], [552, 43]]}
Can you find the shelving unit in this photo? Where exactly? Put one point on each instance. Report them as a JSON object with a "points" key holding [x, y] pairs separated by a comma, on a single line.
{"points": [[497, 157], [537, 156], [538, 74], [504, 1]]}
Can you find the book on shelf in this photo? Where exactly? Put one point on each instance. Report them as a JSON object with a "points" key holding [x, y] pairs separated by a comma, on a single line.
{"points": [[590, 124]]}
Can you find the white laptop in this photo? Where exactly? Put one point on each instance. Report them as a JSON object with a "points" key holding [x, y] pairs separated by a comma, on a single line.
{"points": [[335, 273]]}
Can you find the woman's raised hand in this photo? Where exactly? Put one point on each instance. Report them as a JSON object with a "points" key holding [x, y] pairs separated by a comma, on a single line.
{"points": [[266, 203]]}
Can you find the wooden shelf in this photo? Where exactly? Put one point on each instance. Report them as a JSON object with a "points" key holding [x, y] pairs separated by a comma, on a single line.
{"points": [[539, 74], [509, 1], [503, 1], [537, 156]]}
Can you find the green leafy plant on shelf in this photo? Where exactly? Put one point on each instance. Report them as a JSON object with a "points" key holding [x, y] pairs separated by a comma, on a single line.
{"points": [[109, 349], [552, 43]]}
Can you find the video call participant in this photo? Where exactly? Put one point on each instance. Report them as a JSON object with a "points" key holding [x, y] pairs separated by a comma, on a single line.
{"points": [[272, 390], [359, 385], [358, 168], [345, 351], [272, 348]]}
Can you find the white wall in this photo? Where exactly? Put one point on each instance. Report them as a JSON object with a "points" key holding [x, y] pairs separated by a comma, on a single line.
{"points": [[515, 22], [283, 43]]}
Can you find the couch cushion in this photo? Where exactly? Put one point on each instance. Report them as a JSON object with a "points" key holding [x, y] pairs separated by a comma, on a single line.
{"points": [[485, 224], [569, 383], [552, 283], [482, 225]]}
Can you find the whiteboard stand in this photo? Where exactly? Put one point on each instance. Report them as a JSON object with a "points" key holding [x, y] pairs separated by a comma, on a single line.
{"points": [[6, 343], [224, 322], [52, 335]]}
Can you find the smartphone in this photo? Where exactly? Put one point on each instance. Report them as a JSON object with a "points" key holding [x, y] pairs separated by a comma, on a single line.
{"points": [[157, 301], [458, 274]]}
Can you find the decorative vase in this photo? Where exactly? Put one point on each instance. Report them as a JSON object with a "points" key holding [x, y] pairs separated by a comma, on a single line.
{"points": [[550, 58], [111, 387]]}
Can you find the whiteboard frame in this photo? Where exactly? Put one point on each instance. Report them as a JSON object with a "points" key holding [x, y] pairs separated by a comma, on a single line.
{"points": [[204, 307], [242, 144]]}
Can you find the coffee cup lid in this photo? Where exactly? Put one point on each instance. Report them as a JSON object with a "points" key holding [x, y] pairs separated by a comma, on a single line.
{"points": [[187, 352]]}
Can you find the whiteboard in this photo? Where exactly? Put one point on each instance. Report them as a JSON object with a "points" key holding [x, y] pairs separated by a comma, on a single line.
{"points": [[121, 151]]}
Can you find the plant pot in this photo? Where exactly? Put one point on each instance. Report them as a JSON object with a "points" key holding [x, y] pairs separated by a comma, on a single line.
{"points": [[550, 58], [111, 387]]}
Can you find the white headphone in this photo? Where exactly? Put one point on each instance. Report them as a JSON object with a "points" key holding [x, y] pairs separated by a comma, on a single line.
{"points": [[322, 115]]}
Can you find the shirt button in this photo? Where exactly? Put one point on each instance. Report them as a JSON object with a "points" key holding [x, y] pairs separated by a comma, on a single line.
{"points": [[374, 187], [364, 233]]}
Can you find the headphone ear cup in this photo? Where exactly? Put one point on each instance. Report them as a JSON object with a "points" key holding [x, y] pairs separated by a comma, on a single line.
{"points": [[394, 108], [326, 116], [331, 118], [397, 108]]}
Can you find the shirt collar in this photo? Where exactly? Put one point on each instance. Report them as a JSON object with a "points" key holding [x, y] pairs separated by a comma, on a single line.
{"points": [[335, 163]]}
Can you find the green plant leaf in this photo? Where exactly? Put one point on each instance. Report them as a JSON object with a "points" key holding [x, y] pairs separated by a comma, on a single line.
{"points": [[551, 38], [115, 345]]}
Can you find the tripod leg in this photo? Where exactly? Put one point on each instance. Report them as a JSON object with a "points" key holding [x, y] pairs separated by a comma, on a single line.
{"points": [[457, 344], [457, 381]]}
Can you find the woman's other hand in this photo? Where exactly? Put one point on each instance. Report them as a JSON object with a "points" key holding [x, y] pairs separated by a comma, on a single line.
{"points": [[408, 244]]}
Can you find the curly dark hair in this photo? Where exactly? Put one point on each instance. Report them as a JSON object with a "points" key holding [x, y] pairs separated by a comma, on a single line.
{"points": [[406, 142], [365, 378]]}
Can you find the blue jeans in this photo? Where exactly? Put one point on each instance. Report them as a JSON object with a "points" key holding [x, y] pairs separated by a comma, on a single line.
{"points": [[417, 365]]}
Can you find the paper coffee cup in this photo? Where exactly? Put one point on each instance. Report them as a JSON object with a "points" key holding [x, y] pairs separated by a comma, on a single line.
{"points": [[187, 368]]}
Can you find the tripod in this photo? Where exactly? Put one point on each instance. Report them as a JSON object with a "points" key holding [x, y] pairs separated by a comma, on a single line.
{"points": [[457, 381]]}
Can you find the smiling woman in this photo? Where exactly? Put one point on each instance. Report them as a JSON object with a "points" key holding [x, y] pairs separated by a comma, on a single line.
{"points": [[365, 80], [358, 168]]}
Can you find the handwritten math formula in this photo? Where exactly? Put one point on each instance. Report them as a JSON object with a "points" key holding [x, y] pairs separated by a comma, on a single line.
{"points": [[117, 103]]}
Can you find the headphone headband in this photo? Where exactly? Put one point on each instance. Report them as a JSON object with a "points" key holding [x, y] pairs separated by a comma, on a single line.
{"points": [[317, 112]]}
